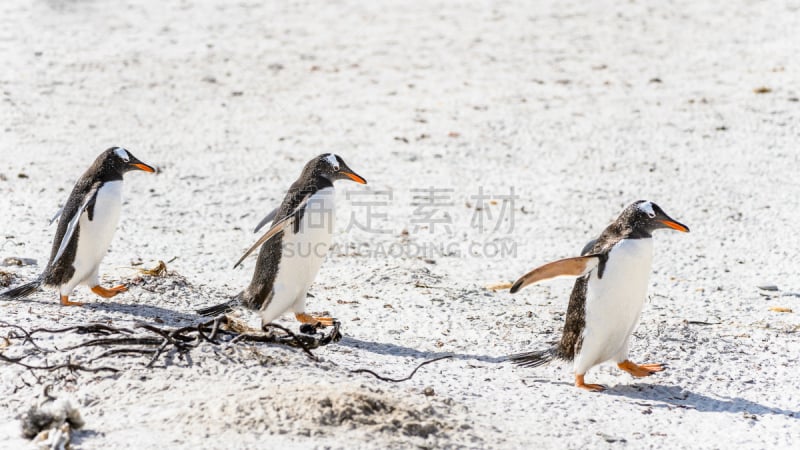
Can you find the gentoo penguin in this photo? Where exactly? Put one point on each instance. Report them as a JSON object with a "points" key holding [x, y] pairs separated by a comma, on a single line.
{"points": [[607, 299], [87, 224], [293, 249]]}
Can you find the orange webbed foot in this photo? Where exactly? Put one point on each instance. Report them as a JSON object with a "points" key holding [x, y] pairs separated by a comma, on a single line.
{"points": [[579, 383], [644, 370], [108, 293], [65, 301], [309, 319]]}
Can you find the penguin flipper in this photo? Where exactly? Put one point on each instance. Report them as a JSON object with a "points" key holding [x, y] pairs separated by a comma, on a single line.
{"points": [[91, 196], [56, 215], [276, 228], [569, 267], [269, 218], [24, 290]]}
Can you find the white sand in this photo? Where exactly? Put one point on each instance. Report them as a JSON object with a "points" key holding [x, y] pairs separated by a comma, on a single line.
{"points": [[581, 109]]}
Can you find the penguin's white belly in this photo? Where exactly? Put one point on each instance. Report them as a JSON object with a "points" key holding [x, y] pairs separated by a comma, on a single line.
{"points": [[95, 235], [302, 254], [614, 303]]}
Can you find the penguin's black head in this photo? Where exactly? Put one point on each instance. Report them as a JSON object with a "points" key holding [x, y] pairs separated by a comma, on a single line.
{"points": [[644, 217], [119, 160], [332, 167]]}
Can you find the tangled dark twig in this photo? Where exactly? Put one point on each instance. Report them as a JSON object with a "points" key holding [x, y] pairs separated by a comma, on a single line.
{"points": [[72, 367], [149, 340], [400, 380]]}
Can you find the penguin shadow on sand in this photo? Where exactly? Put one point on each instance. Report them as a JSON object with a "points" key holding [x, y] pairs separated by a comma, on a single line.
{"points": [[147, 313], [382, 348], [669, 396]]}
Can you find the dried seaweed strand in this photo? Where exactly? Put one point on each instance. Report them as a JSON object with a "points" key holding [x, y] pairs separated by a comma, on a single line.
{"points": [[182, 340], [28, 338], [400, 380], [72, 367]]}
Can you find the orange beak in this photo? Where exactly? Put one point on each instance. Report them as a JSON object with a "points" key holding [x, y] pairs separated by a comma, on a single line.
{"points": [[144, 167], [676, 226], [355, 178]]}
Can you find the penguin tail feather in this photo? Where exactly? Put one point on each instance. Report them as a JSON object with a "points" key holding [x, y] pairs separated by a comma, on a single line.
{"points": [[24, 290], [216, 310], [533, 359]]}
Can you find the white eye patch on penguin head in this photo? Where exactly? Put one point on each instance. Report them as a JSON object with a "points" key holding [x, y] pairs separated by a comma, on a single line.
{"points": [[122, 154], [333, 161], [647, 208]]}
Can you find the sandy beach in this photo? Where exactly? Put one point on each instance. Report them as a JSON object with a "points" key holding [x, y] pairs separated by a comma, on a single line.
{"points": [[495, 137]]}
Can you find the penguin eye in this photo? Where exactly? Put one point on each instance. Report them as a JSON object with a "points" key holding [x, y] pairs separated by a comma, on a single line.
{"points": [[335, 168], [651, 215]]}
